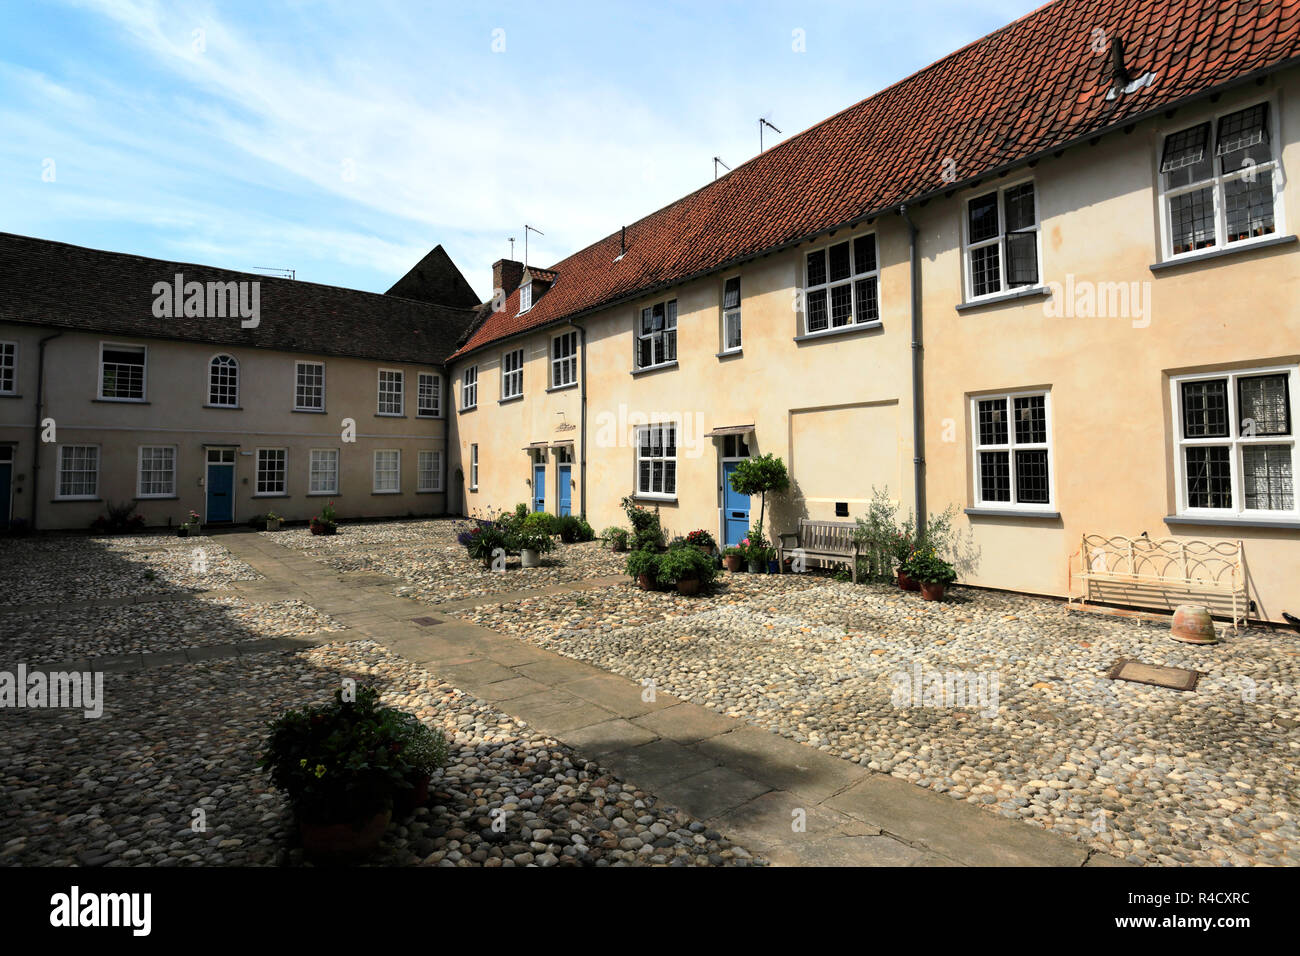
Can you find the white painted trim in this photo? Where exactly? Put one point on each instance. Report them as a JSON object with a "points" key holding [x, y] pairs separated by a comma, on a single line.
{"points": [[968, 285], [139, 472], [1011, 447], [144, 374]]}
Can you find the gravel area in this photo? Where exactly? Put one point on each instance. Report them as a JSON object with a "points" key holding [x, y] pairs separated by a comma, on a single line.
{"points": [[434, 569], [62, 568], [1149, 774], [123, 790], [50, 636]]}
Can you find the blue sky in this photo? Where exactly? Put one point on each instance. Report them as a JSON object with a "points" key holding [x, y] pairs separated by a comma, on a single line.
{"points": [[346, 139]]}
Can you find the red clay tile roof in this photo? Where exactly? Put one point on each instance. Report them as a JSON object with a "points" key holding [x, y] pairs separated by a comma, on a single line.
{"points": [[1031, 87]]}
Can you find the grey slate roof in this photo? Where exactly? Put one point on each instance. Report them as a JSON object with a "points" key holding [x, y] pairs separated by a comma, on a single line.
{"points": [[436, 279], [64, 286]]}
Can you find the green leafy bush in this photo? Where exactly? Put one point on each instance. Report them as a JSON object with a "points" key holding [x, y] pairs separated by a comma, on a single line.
{"points": [[616, 538], [686, 563], [645, 525], [345, 761], [575, 528], [643, 561]]}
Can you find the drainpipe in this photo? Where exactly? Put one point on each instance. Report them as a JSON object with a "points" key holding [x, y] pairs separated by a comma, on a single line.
{"points": [[918, 390], [36, 425], [582, 437]]}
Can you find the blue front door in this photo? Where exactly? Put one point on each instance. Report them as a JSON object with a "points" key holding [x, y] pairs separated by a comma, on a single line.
{"points": [[565, 488], [735, 509], [221, 492], [6, 473], [539, 487]]}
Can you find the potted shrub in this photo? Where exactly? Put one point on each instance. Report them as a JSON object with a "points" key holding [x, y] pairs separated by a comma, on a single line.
{"points": [[616, 538], [688, 568], [190, 526], [339, 765], [732, 558], [702, 540], [273, 521], [533, 538], [486, 541], [932, 573], [325, 522], [643, 566], [757, 553], [645, 526]]}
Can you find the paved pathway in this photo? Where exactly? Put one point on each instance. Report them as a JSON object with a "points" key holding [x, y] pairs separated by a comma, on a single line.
{"points": [[789, 803]]}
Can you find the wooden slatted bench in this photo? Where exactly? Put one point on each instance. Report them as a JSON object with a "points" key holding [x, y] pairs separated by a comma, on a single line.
{"points": [[1189, 566], [827, 541]]}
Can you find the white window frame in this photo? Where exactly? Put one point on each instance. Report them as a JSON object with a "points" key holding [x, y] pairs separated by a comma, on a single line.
{"points": [[469, 387], [560, 364], [663, 459], [144, 372], [640, 336], [93, 494], [967, 247], [283, 471], [298, 366], [473, 467], [434, 473], [333, 489], [9, 366], [400, 381], [727, 314], [853, 279], [139, 472], [1236, 443], [1218, 179], [512, 377], [525, 297], [435, 391], [1011, 447], [397, 472], [212, 368]]}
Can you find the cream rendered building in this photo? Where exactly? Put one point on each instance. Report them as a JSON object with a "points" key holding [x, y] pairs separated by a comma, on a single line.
{"points": [[1104, 290]]}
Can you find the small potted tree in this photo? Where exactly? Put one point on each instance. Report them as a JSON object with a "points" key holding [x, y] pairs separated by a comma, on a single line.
{"points": [[932, 573], [616, 538], [758, 476]]}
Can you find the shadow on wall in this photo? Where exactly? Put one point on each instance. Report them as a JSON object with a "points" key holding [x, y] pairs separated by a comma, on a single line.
{"points": [[785, 511]]}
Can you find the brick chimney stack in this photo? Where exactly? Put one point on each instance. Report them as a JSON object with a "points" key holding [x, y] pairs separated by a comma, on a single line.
{"points": [[506, 276]]}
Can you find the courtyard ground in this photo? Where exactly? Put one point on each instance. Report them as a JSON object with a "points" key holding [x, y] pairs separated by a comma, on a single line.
{"points": [[771, 698]]}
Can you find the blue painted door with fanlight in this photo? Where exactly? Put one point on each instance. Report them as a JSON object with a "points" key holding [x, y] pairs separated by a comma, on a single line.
{"points": [[539, 487], [221, 485], [735, 509]]}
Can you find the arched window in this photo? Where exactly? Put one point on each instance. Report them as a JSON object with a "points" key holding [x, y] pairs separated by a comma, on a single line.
{"points": [[223, 382]]}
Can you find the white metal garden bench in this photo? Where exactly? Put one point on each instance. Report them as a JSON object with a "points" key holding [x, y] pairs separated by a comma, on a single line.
{"points": [[825, 541], [1136, 570]]}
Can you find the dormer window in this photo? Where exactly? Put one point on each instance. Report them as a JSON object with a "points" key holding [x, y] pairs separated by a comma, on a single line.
{"points": [[525, 297]]}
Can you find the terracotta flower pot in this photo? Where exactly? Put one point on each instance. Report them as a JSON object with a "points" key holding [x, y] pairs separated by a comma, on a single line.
{"points": [[643, 581], [932, 591], [1193, 625], [906, 583], [343, 842], [688, 586], [732, 562]]}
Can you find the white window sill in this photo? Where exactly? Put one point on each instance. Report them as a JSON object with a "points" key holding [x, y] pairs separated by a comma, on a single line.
{"points": [[311, 411], [427, 415], [1281, 522], [322, 494], [507, 399], [1202, 255], [647, 369], [991, 511], [390, 415], [469, 408], [850, 329], [271, 494], [730, 353], [123, 401], [168, 497], [396, 491], [1031, 292], [562, 388], [645, 496]]}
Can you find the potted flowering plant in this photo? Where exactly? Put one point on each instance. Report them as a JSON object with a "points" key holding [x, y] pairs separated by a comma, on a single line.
{"points": [[616, 538], [757, 552], [733, 558], [341, 765], [702, 540], [532, 538], [932, 572], [190, 526], [325, 523]]}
